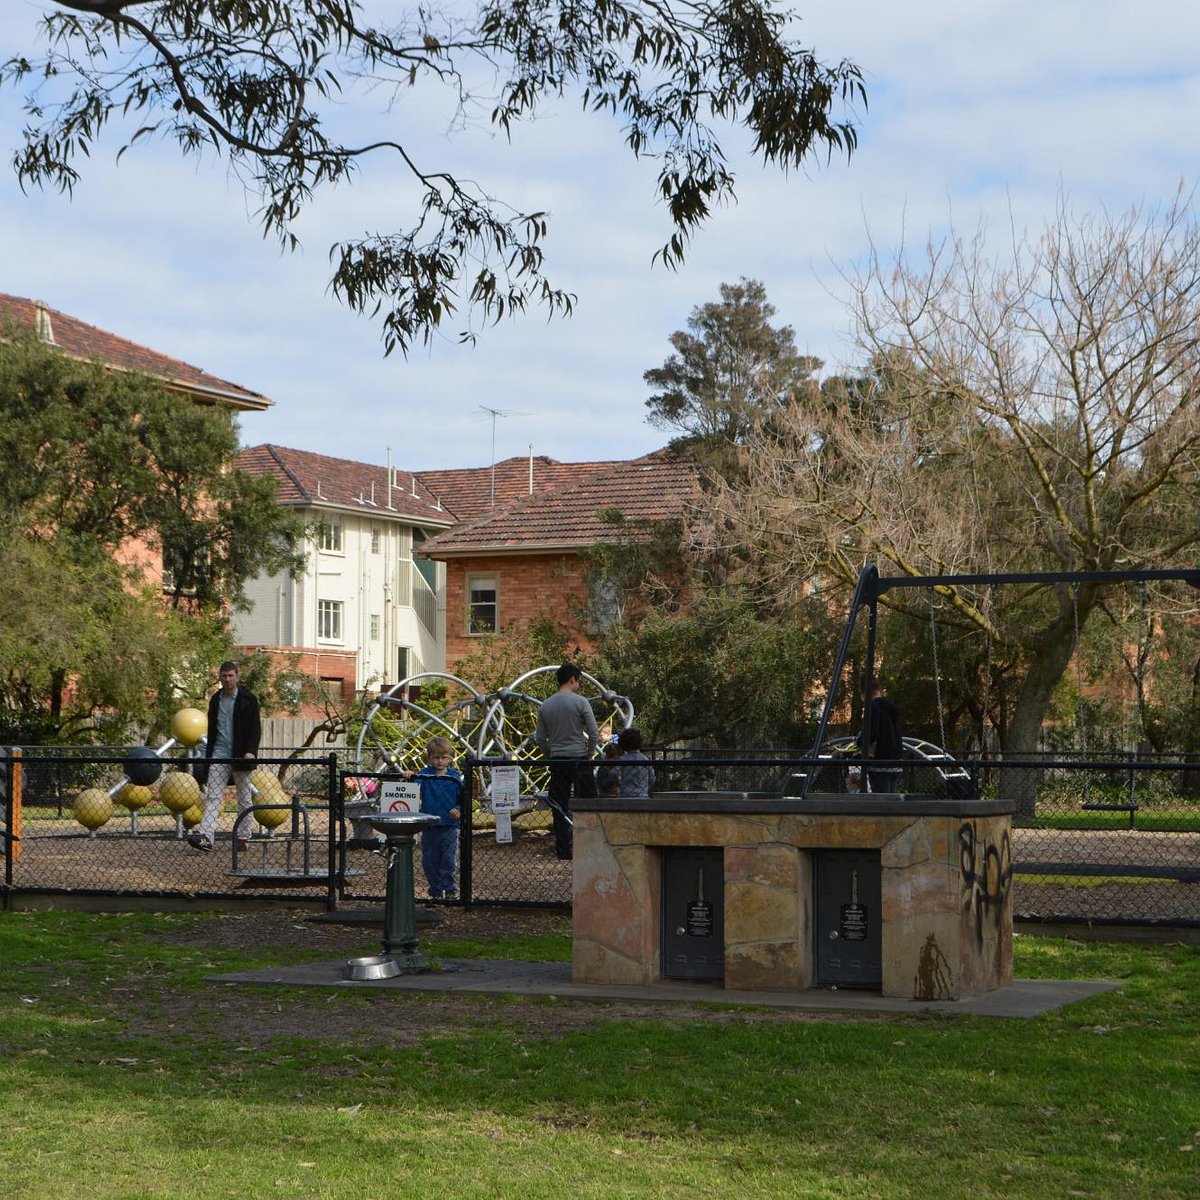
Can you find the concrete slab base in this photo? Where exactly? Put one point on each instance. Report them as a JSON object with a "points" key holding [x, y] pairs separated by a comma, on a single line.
{"points": [[1022, 998]]}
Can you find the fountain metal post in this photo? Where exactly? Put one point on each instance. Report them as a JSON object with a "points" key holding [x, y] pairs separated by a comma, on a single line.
{"points": [[399, 920]]}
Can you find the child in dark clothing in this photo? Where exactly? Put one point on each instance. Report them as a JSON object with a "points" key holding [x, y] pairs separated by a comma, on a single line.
{"points": [[608, 780], [441, 795], [636, 775]]}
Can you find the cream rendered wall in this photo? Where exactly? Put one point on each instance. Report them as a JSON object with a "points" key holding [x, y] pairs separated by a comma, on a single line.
{"points": [[366, 581]]}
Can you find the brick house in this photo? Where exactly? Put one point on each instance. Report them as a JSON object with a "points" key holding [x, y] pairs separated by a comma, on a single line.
{"points": [[514, 564], [411, 578]]}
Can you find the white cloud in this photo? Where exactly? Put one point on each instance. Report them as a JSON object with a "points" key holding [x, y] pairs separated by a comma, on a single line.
{"points": [[976, 110]]}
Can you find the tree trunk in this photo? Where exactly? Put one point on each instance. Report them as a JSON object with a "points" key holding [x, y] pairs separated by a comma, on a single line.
{"points": [[1054, 649]]}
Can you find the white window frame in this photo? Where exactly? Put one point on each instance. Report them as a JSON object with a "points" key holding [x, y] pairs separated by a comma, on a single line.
{"points": [[472, 606], [331, 619], [329, 540]]}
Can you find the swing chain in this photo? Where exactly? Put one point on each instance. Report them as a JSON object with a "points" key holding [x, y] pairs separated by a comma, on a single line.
{"points": [[1080, 722], [937, 673]]}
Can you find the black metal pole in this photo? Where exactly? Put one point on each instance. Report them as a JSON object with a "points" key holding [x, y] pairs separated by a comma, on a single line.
{"points": [[466, 839], [335, 835], [867, 579]]}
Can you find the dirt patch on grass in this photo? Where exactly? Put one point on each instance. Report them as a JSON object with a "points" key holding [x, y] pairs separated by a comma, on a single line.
{"points": [[251, 1016]]}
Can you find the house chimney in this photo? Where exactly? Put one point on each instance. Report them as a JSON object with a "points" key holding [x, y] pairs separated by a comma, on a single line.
{"points": [[41, 323]]}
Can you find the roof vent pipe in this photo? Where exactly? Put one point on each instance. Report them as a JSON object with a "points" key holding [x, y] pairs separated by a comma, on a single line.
{"points": [[41, 323]]}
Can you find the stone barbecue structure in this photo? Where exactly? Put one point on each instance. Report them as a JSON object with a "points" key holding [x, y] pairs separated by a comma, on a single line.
{"points": [[910, 896]]}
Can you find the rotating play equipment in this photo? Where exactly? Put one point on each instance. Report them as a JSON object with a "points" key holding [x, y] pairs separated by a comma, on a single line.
{"points": [[92, 808], [142, 767], [189, 727], [494, 725], [268, 857]]}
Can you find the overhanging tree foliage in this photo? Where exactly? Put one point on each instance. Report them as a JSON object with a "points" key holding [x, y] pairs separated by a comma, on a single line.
{"points": [[106, 471], [261, 81]]}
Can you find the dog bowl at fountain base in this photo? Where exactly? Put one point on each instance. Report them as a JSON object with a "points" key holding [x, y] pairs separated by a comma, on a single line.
{"points": [[373, 966]]}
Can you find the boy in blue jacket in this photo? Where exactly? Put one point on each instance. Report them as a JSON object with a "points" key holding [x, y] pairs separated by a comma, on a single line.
{"points": [[441, 795]]}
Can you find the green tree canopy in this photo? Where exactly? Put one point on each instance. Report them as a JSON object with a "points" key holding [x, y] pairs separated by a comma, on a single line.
{"points": [[731, 370], [108, 470], [264, 82]]}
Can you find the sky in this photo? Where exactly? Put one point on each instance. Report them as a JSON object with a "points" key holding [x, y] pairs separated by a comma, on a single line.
{"points": [[983, 112]]}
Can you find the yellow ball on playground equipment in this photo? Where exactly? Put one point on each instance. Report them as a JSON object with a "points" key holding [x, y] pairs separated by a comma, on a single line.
{"points": [[191, 817], [270, 791], [134, 796], [188, 726], [178, 792], [92, 808]]}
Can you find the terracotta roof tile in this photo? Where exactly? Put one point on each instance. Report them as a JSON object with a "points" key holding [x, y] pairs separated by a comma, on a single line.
{"points": [[79, 340], [656, 487], [476, 491], [317, 480]]}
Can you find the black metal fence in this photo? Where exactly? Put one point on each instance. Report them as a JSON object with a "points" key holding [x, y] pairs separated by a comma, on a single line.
{"points": [[1112, 841]]}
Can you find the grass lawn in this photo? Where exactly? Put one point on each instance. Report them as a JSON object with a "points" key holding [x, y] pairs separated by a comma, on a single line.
{"points": [[123, 1074], [1148, 821]]}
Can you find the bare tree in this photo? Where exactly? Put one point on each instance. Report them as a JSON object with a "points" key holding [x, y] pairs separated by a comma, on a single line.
{"points": [[1036, 412]]}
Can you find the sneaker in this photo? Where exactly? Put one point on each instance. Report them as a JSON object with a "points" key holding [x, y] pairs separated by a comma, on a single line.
{"points": [[435, 895], [451, 895], [198, 841]]}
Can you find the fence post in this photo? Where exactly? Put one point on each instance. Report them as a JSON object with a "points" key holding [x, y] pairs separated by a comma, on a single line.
{"points": [[336, 856], [466, 835], [10, 792]]}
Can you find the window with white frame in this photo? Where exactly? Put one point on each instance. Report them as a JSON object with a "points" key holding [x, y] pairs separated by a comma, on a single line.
{"points": [[329, 620], [376, 625], [376, 541], [330, 537], [482, 603]]}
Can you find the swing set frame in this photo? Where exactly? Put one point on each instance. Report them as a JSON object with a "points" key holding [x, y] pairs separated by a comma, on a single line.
{"points": [[871, 586]]}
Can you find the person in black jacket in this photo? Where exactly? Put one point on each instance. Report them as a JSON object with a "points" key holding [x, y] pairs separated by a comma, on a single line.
{"points": [[234, 731], [886, 740]]}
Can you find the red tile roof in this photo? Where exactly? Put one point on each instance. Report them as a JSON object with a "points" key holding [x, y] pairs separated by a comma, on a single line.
{"points": [[657, 487], [317, 480], [476, 491], [80, 340]]}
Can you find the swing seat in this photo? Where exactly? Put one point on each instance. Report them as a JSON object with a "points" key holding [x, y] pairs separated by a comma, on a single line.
{"points": [[1092, 806]]}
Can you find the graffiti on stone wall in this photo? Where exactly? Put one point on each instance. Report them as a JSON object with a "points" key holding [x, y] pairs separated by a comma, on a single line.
{"points": [[986, 868], [932, 980]]}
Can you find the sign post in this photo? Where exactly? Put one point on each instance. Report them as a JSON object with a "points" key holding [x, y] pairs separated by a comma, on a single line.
{"points": [[505, 795]]}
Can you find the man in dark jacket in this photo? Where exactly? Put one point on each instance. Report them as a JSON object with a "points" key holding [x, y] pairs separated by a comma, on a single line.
{"points": [[886, 740], [234, 731]]}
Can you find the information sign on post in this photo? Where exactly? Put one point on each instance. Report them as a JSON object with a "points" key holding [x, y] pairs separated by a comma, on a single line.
{"points": [[505, 794]]}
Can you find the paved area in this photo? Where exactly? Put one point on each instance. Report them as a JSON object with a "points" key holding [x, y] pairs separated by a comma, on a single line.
{"points": [[1024, 998]]}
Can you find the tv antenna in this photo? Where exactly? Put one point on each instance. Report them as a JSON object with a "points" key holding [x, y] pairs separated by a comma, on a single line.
{"points": [[494, 413]]}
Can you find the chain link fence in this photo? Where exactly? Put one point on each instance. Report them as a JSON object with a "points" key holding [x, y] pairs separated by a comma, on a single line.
{"points": [[1099, 841]]}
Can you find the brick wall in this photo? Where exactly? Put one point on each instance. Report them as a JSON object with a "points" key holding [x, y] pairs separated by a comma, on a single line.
{"points": [[529, 587], [337, 669]]}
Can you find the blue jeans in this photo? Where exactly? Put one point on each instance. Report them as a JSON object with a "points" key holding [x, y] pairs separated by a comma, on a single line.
{"points": [[439, 857]]}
